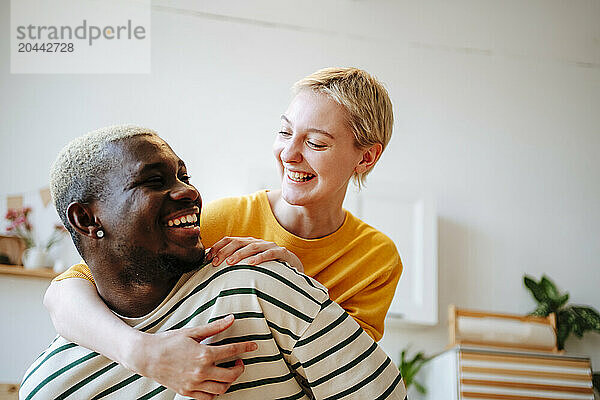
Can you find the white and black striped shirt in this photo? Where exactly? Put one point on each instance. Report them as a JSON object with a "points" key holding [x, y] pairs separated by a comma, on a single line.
{"points": [[308, 346]]}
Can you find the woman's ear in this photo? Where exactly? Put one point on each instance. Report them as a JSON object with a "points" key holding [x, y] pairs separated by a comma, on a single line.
{"points": [[369, 158], [82, 219]]}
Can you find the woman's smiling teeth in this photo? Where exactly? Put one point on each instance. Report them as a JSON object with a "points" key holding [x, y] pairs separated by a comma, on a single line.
{"points": [[184, 221], [299, 176]]}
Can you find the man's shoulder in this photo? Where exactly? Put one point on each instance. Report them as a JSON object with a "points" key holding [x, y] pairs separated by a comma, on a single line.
{"points": [[65, 369], [270, 276], [273, 282]]}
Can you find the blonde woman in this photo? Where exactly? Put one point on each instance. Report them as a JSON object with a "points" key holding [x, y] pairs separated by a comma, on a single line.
{"points": [[334, 130]]}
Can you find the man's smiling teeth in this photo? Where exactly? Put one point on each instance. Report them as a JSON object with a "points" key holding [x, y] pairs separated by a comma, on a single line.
{"points": [[299, 176], [186, 219]]}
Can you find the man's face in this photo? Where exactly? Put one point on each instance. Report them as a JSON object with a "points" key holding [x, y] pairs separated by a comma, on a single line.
{"points": [[150, 212]]}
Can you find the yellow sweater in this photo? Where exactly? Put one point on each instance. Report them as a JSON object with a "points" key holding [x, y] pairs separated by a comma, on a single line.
{"points": [[358, 264]]}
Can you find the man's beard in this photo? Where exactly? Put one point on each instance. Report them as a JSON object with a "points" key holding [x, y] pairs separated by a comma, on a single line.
{"points": [[144, 268]]}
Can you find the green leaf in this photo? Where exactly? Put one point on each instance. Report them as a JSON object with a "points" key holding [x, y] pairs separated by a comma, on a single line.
{"points": [[536, 289], [409, 367], [420, 387], [587, 317], [545, 292], [542, 310], [564, 325], [562, 300], [575, 319], [549, 287], [556, 299]]}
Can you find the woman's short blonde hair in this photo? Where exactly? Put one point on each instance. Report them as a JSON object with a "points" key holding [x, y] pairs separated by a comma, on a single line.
{"points": [[371, 116]]}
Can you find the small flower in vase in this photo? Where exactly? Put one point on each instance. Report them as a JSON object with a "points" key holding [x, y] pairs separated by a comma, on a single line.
{"points": [[35, 255], [19, 224]]}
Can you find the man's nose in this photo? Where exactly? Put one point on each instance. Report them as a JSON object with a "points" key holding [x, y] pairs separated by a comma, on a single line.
{"points": [[292, 151], [184, 191]]}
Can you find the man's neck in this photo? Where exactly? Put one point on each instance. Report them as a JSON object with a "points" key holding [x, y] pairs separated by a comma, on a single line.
{"points": [[134, 299]]}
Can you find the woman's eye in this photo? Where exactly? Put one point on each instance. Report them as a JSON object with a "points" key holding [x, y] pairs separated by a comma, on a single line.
{"points": [[284, 134], [316, 145]]}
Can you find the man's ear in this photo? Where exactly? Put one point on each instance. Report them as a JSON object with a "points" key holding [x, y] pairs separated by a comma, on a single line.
{"points": [[82, 219], [369, 158]]}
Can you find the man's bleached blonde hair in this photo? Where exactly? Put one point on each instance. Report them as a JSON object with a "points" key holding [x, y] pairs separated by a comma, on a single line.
{"points": [[371, 116], [78, 173]]}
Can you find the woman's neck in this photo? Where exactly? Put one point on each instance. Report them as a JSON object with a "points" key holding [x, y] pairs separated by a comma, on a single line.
{"points": [[304, 221]]}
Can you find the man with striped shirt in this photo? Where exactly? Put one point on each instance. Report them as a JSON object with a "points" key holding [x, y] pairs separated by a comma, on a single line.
{"points": [[121, 213]]}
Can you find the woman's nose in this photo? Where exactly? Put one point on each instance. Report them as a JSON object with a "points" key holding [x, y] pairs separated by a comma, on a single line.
{"points": [[291, 151]]}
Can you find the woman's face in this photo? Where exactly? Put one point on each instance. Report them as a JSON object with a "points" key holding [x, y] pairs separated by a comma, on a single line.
{"points": [[315, 151]]}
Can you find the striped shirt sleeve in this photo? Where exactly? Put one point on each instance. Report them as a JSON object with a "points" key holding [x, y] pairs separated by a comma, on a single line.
{"points": [[336, 359]]}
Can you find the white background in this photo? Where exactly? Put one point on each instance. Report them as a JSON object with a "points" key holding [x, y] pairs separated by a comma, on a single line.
{"points": [[497, 115]]}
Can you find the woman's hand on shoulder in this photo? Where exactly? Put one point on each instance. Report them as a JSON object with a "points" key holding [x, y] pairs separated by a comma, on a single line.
{"points": [[177, 360], [252, 251]]}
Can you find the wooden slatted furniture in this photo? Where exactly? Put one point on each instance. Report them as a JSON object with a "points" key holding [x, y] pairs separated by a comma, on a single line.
{"points": [[473, 373], [508, 331]]}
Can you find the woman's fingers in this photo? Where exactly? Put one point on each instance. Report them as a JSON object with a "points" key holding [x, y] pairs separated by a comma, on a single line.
{"points": [[274, 253], [225, 241], [226, 247], [265, 251], [228, 375], [177, 360], [200, 333], [229, 350], [251, 251], [199, 395], [221, 379], [212, 387], [217, 246], [277, 253]]}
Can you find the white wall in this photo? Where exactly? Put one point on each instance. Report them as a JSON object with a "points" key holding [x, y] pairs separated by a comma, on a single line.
{"points": [[496, 108]]}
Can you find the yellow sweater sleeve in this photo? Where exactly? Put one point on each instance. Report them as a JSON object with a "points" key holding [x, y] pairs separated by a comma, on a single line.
{"points": [[80, 270]]}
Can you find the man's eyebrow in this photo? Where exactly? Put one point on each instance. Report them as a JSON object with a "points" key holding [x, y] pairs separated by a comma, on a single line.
{"points": [[151, 166], [158, 165], [321, 131]]}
